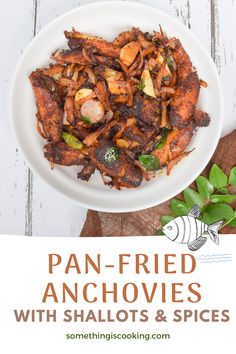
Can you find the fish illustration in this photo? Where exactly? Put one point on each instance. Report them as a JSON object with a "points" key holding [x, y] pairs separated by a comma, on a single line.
{"points": [[189, 230]]}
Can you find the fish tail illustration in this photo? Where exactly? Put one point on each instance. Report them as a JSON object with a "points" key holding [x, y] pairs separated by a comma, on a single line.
{"points": [[213, 231]]}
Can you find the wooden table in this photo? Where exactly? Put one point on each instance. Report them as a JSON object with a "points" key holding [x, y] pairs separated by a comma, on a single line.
{"points": [[27, 205]]}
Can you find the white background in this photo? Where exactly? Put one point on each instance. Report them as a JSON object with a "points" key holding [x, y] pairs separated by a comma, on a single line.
{"points": [[27, 205], [24, 275]]}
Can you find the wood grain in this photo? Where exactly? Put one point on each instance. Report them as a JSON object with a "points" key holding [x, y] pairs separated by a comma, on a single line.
{"points": [[51, 213], [146, 222], [30, 177], [28, 206], [14, 172]]}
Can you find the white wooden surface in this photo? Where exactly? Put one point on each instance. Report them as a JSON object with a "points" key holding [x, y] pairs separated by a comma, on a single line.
{"points": [[27, 205]]}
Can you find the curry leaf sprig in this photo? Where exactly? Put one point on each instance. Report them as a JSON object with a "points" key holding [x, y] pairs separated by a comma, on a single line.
{"points": [[213, 196]]}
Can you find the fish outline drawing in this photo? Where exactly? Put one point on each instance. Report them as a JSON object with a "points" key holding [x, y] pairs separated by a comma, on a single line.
{"points": [[188, 229]]}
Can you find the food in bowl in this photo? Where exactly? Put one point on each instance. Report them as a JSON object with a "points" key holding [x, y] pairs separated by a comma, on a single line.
{"points": [[127, 108]]}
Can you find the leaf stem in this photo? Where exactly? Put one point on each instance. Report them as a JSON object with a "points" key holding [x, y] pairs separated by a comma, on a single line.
{"points": [[208, 200], [205, 204], [228, 222]]}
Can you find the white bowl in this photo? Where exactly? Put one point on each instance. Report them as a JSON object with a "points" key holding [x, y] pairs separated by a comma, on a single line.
{"points": [[107, 19]]}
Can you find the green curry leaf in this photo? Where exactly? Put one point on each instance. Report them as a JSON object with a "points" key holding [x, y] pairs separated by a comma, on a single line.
{"points": [[217, 177], [149, 162], [192, 197], [204, 187], [216, 212], [232, 176], [165, 219], [178, 207]]}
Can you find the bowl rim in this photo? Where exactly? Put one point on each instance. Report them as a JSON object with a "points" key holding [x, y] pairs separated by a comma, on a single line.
{"points": [[146, 204]]}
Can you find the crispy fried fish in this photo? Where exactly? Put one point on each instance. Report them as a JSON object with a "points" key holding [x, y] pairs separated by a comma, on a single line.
{"points": [[186, 95], [101, 46], [68, 56], [120, 169], [177, 141], [147, 110], [201, 119], [86, 171], [50, 111], [61, 154]]}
